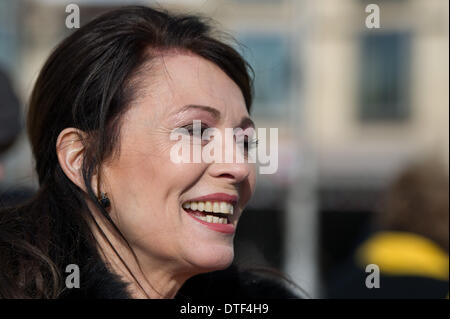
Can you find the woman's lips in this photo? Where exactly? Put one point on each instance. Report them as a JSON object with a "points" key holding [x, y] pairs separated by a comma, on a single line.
{"points": [[214, 211], [228, 228]]}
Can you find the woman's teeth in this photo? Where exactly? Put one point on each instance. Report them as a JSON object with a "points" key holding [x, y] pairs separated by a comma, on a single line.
{"points": [[212, 219], [210, 207]]}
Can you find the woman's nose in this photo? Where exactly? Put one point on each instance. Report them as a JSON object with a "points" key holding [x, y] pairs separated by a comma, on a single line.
{"points": [[233, 164], [235, 172]]}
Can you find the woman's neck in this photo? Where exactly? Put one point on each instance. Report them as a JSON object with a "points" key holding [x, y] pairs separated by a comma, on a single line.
{"points": [[146, 277]]}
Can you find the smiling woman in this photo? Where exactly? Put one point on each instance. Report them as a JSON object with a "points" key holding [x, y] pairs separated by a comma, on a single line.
{"points": [[110, 200]]}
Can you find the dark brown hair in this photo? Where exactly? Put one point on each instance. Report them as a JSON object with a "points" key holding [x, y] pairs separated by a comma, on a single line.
{"points": [[418, 202], [87, 83]]}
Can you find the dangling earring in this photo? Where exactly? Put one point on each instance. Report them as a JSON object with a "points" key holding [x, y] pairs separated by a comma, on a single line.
{"points": [[104, 200]]}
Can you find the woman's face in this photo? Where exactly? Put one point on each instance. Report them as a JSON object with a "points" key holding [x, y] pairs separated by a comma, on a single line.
{"points": [[148, 190]]}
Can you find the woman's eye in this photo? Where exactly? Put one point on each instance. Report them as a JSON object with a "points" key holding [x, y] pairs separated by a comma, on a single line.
{"points": [[251, 143], [247, 143], [190, 129], [195, 137]]}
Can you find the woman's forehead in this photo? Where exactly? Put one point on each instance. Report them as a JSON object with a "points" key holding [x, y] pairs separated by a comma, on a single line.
{"points": [[177, 80]]}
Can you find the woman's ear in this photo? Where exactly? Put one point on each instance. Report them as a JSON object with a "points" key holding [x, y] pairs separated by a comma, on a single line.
{"points": [[70, 151]]}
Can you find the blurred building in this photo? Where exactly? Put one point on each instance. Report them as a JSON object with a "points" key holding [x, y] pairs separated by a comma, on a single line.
{"points": [[353, 106]]}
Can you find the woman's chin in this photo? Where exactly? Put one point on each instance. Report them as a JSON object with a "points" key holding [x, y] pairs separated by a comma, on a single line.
{"points": [[215, 258]]}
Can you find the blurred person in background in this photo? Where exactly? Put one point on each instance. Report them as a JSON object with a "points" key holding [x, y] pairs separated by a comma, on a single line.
{"points": [[410, 245], [10, 128], [111, 201], [9, 116]]}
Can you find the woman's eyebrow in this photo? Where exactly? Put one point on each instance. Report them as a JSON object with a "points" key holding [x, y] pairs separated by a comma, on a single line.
{"points": [[214, 112], [245, 122]]}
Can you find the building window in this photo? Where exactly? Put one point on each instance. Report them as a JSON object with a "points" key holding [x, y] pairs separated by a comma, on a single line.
{"points": [[269, 57], [384, 77]]}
